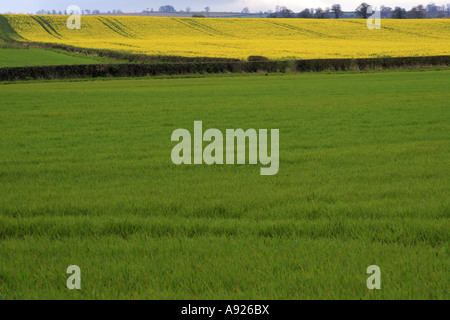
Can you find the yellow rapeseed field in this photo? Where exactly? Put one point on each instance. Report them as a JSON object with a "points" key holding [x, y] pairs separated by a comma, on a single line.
{"points": [[240, 38]]}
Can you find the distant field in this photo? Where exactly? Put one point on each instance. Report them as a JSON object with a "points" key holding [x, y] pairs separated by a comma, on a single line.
{"points": [[87, 179], [41, 57], [12, 55], [238, 38]]}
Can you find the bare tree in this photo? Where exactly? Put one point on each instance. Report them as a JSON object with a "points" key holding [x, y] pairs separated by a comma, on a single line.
{"points": [[245, 10], [337, 10], [398, 13], [283, 13], [320, 13], [417, 12], [188, 9], [433, 10], [167, 8], [305, 14], [363, 11], [385, 12]]}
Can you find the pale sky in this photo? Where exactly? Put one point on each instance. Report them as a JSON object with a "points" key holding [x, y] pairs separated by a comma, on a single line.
{"points": [[31, 6]]}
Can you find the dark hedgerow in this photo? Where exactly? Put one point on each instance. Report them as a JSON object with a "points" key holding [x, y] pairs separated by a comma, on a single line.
{"points": [[258, 58], [144, 69]]}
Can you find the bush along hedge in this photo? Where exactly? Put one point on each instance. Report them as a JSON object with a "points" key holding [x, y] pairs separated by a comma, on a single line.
{"points": [[370, 63], [144, 70]]}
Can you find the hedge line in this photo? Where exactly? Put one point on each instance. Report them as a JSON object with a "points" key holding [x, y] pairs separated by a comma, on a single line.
{"points": [[136, 70], [142, 70], [131, 57], [370, 63]]}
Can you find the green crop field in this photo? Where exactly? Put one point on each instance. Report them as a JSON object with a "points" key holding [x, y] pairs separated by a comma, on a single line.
{"points": [[86, 178], [45, 57], [41, 57], [13, 55]]}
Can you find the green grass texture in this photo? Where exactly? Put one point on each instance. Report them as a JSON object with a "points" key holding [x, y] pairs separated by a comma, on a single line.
{"points": [[86, 178], [39, 57]]}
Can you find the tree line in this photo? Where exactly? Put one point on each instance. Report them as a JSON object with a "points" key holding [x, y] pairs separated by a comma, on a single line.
{"points": [[431, 11], [83, 12], [363, 11]]}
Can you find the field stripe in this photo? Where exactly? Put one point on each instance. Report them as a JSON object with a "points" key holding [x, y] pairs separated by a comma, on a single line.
{"points": [[113, 27], [398, 31], [411, 232], [127, 30], [199, 27], [47, 27], [300, 30]]}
